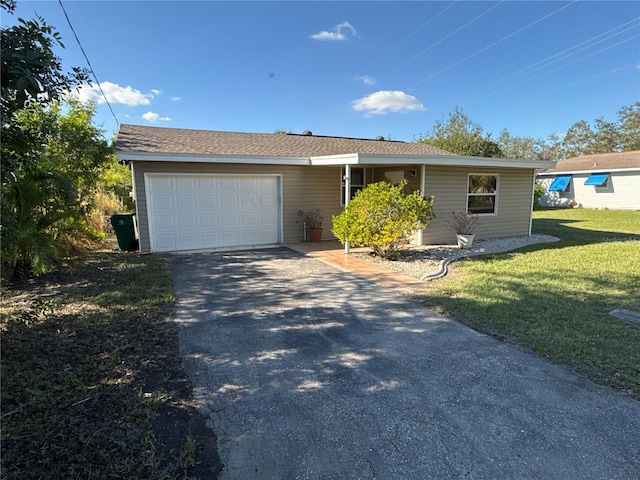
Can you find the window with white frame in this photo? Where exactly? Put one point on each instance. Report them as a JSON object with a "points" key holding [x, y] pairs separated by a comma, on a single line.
{"points": [[482, 194], [357, 181]]}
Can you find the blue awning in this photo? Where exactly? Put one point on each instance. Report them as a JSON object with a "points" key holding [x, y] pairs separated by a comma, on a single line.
{"points": [[560, 183], [597, 179]]}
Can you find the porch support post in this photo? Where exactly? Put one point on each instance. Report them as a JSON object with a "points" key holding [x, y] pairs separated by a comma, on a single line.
{"points": [[423, 187], [347, 196]]}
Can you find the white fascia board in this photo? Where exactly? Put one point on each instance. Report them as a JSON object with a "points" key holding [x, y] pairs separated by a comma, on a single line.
{"points": [[588, 172], [341, 159], [185, 158], [440, 160]]}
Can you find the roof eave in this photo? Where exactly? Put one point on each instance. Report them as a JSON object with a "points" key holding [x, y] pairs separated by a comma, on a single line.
{"points": [[581, 172], [341, 159], [428, 159], [199, 158]]}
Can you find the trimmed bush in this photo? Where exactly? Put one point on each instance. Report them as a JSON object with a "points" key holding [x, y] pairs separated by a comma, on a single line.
{"points": [[382, 216]]}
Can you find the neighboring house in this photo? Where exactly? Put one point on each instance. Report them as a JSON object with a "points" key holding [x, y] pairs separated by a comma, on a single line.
{"points": [[607, 180], [206, 190]]}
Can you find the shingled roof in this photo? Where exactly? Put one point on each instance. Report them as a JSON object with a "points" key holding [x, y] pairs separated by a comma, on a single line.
{"points": [[142, 139], [599, 162]]}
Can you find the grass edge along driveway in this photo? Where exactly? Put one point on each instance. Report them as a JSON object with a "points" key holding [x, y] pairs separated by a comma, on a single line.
{"points": [[555, 298]]}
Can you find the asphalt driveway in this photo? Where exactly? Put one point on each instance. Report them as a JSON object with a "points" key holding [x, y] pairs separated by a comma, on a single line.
{"points": [[306, 371]]}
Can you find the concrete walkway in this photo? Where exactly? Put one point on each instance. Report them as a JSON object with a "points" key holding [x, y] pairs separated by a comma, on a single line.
{"points": [[310, 372]]}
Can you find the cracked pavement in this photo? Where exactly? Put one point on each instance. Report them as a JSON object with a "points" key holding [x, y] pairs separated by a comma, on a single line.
{"points": [[308, 372]]}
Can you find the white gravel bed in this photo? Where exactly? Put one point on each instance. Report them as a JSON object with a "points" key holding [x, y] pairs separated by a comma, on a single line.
{"points": [[430, 261]]}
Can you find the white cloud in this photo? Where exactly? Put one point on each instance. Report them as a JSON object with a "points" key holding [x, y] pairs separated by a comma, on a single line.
{"points": [[114, 93], [175, 99], [154, 117], [385, 101], [156, 92], [335, 34], [366, 79]]}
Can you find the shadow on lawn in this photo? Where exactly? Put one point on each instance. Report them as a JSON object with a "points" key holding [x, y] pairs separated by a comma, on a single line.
{"points": [[560, 309], [569, 235], [92, 380]]}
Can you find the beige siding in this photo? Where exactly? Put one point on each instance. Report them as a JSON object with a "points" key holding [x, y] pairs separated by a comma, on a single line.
{"points": [[306, 188], [449, 187], [303, 188]]}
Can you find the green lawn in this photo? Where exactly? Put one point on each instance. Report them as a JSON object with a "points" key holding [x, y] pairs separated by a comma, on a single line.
{"points": [[555, 298]]}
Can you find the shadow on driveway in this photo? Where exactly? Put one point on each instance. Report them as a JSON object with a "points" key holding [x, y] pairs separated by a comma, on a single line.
{"points": [[309, 372]]}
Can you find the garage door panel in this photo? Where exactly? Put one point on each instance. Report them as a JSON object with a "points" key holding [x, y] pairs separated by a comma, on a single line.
{"points": [[229, 220], [208, 183], [188, 241], [228, 201], [250, 237], [249, 219], [247, 185], [249, 201], [165, 222], [227, 185], [163, 202], [268, 218], [189, 212], [185, 183], [165, 243], [162, 184], [208, 220], [268, 201], [268, 236], [186, 202], [229, 238], [187, 221], [210, 238], [207, 201]]}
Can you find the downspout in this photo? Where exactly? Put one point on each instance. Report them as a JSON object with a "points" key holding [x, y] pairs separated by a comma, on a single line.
{"points": [[423, 187], [533, 191], [135, 198], [347, 194]]}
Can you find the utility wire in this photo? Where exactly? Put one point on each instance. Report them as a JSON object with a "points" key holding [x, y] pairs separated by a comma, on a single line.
{"points": [[88, 63], [558, 68], [550, 60], [408, 37], [442, 39], [492, 45]]}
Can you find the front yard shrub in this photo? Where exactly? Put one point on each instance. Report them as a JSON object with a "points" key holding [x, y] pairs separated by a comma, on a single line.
{"points": [[538, 193], [381, 216]]}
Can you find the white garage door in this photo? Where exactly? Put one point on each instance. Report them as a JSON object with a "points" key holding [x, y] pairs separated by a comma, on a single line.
{"points": [[199, 212]]}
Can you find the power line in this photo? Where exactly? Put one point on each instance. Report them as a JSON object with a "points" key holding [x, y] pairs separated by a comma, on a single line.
{"points": [[553, 70], [443, 39], [492, 45], [89, 63], [408, 37], [527, 71]]}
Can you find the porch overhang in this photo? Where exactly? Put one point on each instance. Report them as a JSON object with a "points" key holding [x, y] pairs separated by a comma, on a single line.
{"points": [[436, 160]]}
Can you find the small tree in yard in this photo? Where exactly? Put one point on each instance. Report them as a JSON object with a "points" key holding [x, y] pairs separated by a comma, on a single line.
{"points": [[381, 216]]}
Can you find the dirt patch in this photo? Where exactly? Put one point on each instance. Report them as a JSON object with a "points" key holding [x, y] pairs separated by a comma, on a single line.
{"points": [[93, 384]]}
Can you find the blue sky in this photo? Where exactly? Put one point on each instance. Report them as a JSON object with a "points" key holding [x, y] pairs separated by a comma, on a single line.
{"points": [[354, 69]]}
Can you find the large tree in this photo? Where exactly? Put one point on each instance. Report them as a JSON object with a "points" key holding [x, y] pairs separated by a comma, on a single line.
{"points": [[459, 135], [47, 199], [51, 154], [581, 138], [629, 127]]}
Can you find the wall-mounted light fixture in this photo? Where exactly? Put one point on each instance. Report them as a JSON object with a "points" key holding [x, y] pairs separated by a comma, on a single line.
{"points": [[413, 172]]}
